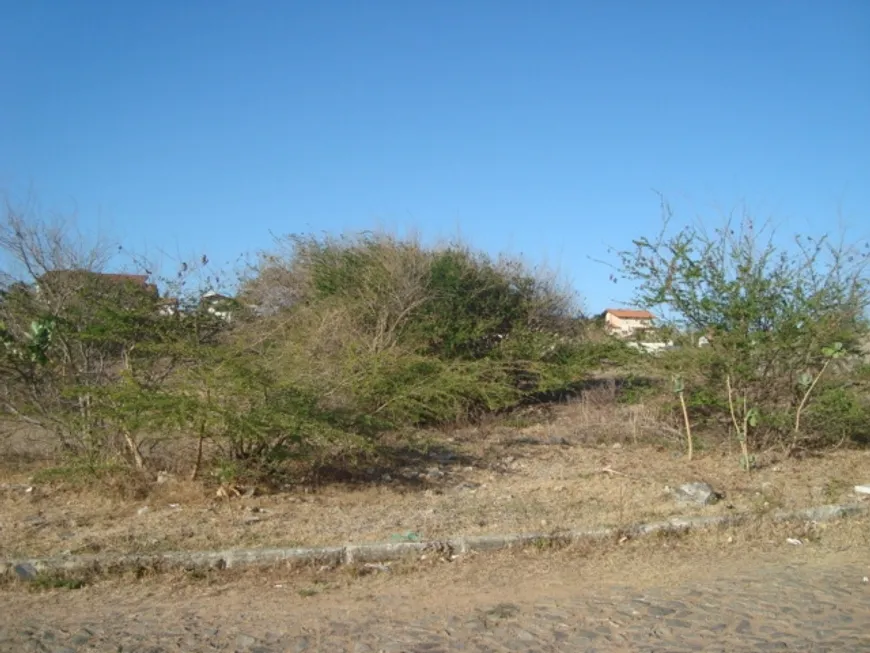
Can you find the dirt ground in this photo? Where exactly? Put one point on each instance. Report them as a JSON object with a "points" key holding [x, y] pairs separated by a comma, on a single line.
{"points": [[662, 560], [742, 589], [565, 473]]}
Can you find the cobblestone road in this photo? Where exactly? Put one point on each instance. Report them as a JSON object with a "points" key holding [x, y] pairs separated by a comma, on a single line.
{"points": [[772, 607]]}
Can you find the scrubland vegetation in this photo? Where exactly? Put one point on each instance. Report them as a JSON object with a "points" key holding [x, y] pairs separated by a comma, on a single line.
{"points": [[339, 349]]}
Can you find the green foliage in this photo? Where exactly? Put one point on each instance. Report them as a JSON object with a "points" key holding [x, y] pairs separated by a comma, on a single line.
{"points": [[381, 334], [34, 344], [778, 318], [842, 414], [278, 424], [402, 335], [702, 401], [90, 358], [78, 471], [635, 391], [335, 341], [752, 416], [471, 304], [55, 581]]}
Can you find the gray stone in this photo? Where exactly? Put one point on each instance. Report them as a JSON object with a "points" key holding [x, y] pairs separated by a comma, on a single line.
{"points": [[16, 486], [81, 638], [245, 641], [25, 571], [433, 473], [700, 493], [862, 489], [383, 552], [819, 513]]}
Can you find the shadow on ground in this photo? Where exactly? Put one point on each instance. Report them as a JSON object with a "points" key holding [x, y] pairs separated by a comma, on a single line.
{"points": [[404, 465]]}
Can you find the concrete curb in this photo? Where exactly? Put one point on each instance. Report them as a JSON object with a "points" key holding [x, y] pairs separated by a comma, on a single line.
{"points": [[385, 552]]}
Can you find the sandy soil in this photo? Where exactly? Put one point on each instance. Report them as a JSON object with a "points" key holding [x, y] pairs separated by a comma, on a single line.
{"points": [[541, 478]]}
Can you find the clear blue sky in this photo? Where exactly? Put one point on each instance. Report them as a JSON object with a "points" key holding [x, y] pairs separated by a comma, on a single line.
{"points": [[530, 127]]}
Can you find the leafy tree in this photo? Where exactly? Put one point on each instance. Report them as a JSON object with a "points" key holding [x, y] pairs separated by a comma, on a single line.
{"points": [[90, 357], [773, 315]]}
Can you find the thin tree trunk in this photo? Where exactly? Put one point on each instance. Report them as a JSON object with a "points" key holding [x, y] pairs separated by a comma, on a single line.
{"points": [[689, 441], [202, 429], [134, 450], [800, 408], [198, 463]]}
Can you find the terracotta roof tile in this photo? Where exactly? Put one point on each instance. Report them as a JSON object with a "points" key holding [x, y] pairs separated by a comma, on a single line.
{"points": [[629, 314]]}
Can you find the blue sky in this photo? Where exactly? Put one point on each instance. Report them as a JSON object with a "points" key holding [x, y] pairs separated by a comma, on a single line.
{"points": [[534, 128]]}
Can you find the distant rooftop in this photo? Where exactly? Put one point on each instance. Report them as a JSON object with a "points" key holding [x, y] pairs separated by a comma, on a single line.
{"points": [[630, 314], [116, 277]]}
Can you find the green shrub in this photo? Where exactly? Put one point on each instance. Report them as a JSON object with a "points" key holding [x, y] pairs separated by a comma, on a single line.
{"points": [[780, 318], [840, 414], [397, 332]]}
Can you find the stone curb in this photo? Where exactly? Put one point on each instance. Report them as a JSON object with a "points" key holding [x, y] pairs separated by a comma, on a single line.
{"points": [[385, 552]]}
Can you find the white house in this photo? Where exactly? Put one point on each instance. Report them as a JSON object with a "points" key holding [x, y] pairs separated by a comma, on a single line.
{"points": [[168, 306], [651, 347], [625, 322], [218, 305]]}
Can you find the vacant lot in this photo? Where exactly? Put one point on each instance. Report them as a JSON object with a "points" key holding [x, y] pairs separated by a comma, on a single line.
{"points": [[545, 477]]}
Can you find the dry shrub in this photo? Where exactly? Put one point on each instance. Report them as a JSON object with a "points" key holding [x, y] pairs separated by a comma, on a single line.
{"points": [[384, 334], [598, 416]]}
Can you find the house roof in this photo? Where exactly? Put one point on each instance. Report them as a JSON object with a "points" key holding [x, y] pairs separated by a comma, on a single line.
{"points": [[630, 314], [137, 279], [212, 296]]}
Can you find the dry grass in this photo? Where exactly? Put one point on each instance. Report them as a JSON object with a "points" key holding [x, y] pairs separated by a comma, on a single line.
{"points": [[645, 562], [518, 477], [408, 588]]}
